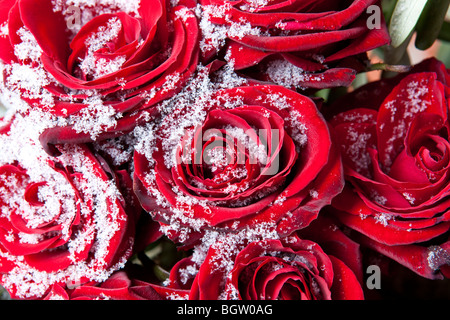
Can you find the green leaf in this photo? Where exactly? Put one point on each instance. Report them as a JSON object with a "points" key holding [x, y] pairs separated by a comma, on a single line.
{"points": [[430, 23], [2, 109], [360, 80], [404, 20], [444, 34], [398, 55], [444, 53], [324, 93], [161, 273], [388, 8], [4, 295]]}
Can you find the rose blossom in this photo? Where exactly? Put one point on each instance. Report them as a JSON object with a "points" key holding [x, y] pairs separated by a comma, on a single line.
{"points": [[239, 157], [63, 221], [290, 268], [311, 44], [100, 77], [394, 137]]}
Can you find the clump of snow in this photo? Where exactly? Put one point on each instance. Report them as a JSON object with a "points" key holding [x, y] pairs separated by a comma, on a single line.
{"points": [[214, 35], [437, 257]]}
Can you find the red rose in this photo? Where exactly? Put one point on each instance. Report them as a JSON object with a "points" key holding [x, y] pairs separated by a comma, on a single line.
{"points": [[394, 136], [271, 269], [288, 270], [314, 44], [239, 158], [64, 221], [101, 80], [118, 287]]}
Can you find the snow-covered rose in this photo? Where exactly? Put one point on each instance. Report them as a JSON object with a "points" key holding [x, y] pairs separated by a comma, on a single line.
{"points": [[100, 77], [237, 158], [394, 137], [63, 221], [272, 269], [311, 44]]}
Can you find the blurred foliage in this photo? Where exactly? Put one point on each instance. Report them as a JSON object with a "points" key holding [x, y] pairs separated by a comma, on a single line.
{"points": [[4, 295], [403, 20], [429, 20], [423, 21], [160, 257]]}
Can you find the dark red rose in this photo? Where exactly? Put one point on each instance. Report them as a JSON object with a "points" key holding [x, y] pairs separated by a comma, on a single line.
{"points": [[100, 78], [239, 158], [118, 287], [394, 137], [64, 221], [271, 269], [292, 269], [311, 44]]}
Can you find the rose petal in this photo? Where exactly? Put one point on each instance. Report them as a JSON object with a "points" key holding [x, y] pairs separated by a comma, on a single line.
{"points": [[49, 27]]}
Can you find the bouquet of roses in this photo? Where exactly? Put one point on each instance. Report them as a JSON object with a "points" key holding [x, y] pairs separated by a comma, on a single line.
{"points": [[222, 150]]}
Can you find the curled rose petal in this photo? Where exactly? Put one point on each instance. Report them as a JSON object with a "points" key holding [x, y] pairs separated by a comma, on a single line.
{"points": [[118, 286]]}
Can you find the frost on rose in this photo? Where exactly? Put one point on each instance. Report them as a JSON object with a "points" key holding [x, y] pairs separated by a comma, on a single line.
{"points": [[298, 44], [394, 138], [235, 158], [64, 221], [101, 78], [247, 265]]}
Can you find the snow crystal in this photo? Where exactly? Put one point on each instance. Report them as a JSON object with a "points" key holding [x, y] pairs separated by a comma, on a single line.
{"points": [[383, 218], [97, 67], [314, 194], [409, 198], [299, 129], [288, 75], [254, 5], [437, 257], [28, 48], [95, 117], [214, 35], [415, 102], [4, 29], [356, 151]]}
